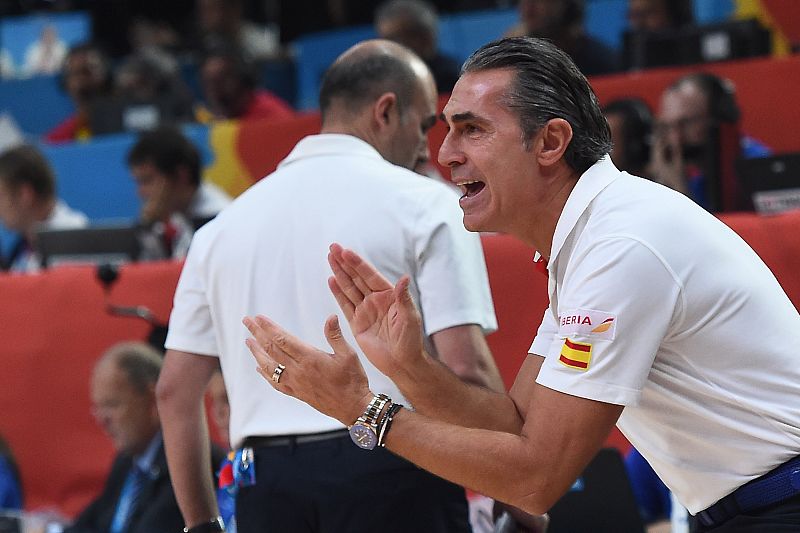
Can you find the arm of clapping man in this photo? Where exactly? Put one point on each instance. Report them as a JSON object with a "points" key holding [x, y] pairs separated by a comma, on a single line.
{"points": [[498, 445]]}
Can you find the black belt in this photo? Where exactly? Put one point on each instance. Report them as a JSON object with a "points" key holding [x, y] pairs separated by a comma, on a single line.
{"points": [[775, 486], [293, 440]]}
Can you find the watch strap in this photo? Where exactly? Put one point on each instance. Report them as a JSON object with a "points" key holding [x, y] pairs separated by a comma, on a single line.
{"points": [[373, 411]]}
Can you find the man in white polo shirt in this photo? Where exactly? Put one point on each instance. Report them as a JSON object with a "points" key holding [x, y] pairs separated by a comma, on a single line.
{"points": [[661, 320], [266, 253]]}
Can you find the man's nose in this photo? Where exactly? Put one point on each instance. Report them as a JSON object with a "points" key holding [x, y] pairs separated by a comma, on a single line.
{"points": [[449, 155]]}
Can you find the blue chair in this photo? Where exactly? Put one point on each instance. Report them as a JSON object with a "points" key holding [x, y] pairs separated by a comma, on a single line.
{"points": [[462, 33], [314, 53]]}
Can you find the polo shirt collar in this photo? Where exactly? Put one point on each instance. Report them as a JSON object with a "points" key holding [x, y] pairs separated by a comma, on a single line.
{"points": [[327, 144], [589, 185]]}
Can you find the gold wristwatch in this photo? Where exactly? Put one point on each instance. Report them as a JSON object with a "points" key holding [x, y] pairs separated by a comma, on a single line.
{"points": [[364, 430]]}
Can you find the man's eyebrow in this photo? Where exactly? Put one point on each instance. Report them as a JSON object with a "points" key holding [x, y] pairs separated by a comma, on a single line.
{"points": [[460, 117]]}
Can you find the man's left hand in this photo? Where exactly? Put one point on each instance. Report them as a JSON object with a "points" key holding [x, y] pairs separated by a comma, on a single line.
{"points": [[334, 384]]}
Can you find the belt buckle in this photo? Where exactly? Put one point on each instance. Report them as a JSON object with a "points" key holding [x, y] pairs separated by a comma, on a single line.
{"points": [[794, 478]]}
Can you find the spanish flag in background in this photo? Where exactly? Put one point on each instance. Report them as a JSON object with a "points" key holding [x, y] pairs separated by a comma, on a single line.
{"points": [[576, 355]]}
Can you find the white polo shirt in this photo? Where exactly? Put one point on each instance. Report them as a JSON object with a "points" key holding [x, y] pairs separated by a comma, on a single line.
{"points": [[267, 254], [658, 306]]}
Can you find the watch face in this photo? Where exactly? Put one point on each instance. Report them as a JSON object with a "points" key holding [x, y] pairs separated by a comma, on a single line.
{"points": [[364, 436]]}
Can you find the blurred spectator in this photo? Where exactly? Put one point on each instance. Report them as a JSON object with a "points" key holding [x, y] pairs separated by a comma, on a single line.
{"points": [[631, 124], [28, 203], [657, 15], [222, 22], [10, 480], [414, 24], [220, 415], [85, 77], [138, 495], [561, 21], [166, 168], [695, 111], [147, 74], [152, 76], [45, 55], [230, 88]]}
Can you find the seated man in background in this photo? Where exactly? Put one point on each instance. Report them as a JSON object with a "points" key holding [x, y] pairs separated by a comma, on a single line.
{"points": [[85, 77], [561, 21], [414, 23], [175, 201], [231, 89], [28, 203], [658, 15], [631, 124], [138, 496], [688, 144]]}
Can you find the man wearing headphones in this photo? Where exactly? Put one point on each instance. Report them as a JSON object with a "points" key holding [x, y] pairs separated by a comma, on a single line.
{"points": [[698, 112], [230, 87]]}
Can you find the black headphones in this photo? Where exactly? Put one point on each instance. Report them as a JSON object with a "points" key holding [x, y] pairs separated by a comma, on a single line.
{"points": [[637, 129]]}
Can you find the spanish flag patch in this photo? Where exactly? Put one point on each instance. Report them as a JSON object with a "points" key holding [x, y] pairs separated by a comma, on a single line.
{"points": [[576, 355]]}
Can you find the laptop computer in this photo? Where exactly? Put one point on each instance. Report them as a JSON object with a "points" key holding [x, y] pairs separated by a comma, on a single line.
{"points": [[600, 501], [772, 182], [93, 245]]}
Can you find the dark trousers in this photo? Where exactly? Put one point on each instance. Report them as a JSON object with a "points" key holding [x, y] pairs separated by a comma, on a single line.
{"points": [[779, 518], [332, 486]]}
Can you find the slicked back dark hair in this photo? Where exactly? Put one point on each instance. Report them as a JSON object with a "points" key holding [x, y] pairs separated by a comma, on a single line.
{"points": [[358, 80], [167, 149], [548, 85]]}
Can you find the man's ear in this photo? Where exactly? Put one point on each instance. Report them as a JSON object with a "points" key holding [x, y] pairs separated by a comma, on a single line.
{"points": [[552, 141], [384, 108]]}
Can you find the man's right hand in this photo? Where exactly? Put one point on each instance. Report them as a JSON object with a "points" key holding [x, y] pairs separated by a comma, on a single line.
{"points": [[382, 317]]}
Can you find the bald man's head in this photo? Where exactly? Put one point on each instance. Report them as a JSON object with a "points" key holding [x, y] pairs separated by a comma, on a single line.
{"points": [[366, 71]]}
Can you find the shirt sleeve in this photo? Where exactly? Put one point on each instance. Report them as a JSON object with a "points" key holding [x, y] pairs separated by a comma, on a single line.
{"points": [[615, 306], [191, 328], [451, 272], [545, 336]]}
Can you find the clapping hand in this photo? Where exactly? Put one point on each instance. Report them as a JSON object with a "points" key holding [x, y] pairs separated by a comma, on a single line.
{"points": [[333, 384], [382, 316]]}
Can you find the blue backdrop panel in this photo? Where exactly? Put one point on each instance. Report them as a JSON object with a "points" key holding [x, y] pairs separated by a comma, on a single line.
{"points": [[36, 104], [314, 53]]}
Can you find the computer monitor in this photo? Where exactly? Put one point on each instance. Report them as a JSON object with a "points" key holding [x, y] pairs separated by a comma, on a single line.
{"points": [[95, 244], [696, 44], [772, 182]]}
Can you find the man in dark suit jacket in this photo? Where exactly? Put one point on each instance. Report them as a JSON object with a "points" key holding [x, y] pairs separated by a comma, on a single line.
{"points": [[138, 495]]}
